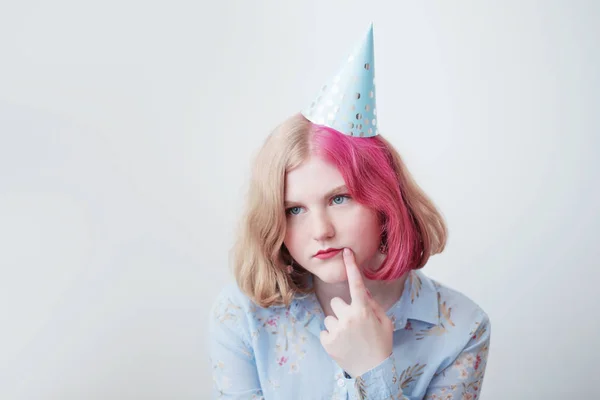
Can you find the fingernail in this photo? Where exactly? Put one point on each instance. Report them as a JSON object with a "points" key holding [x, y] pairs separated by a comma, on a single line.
{"points": [[346, 251]]}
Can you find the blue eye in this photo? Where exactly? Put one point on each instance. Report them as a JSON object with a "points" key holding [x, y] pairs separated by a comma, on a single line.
{"points": [[294, 210], [340, 199]]}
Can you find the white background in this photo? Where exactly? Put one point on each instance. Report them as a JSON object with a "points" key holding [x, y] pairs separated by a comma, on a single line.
{"points": [[127, 129]]}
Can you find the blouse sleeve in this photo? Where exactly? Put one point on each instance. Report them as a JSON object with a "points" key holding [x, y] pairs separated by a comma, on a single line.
{"points": [[460, 380], [231, 355], [379, 383], [464, 377]]}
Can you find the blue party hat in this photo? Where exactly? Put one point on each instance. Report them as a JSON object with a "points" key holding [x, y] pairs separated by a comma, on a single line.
{"points": [[347, 103]]}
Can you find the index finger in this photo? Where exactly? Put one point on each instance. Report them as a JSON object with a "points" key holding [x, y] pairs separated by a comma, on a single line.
{"points": [[358, 291]]}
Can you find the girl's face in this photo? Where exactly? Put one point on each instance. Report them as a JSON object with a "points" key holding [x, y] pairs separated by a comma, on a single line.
{"points": [[322, 216]]}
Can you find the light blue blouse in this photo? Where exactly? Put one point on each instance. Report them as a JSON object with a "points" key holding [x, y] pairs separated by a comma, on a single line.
{"points": [[441, 343]]}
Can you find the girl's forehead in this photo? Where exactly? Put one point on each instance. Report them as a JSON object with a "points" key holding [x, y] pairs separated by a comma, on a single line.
{"points": [[313, 177]]}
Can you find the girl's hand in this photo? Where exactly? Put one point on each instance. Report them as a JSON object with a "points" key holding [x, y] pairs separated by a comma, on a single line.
{"points": [[360, 336]]}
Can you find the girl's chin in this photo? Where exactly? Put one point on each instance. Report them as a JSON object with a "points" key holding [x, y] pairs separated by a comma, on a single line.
{"points": [[332, 275]]}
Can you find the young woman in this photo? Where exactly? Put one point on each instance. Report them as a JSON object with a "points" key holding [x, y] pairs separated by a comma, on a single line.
{"points": [[330, 301]]}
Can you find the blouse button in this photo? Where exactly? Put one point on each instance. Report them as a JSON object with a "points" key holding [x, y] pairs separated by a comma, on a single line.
{"points": [[341, 382]]}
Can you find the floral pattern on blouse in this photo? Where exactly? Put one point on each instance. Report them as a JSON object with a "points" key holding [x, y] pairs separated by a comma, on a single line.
{"points": [[441, 345]]}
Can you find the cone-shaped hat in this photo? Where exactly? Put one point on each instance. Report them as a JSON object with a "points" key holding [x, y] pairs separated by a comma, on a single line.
{"points": [[348, 102]]}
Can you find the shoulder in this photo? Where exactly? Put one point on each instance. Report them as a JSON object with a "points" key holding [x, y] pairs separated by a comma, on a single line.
{"points": [[234, 311], [451, 311], [460, 324], [457, 309], [230, 304]]}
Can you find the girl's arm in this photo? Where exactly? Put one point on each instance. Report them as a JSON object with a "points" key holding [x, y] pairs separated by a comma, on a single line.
{"points": [[463, 378], [460, 380], [231, 355]]}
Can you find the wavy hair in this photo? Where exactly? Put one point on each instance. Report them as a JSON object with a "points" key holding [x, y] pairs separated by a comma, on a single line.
{"points": [[412, 228]]}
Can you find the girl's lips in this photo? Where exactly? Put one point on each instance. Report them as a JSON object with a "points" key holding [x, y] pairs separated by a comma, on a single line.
{"points": [[328, 254]]}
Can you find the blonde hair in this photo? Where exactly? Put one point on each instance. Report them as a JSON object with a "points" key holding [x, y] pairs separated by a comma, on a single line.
{"points": [[260, 258]]}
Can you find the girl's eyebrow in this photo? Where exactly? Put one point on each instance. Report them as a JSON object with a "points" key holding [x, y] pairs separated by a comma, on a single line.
{"points": [[339, 189]]}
